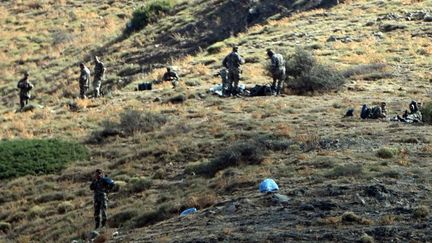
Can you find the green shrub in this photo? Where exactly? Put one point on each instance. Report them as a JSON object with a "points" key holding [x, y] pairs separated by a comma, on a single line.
{"points": [[426, 111], [132, 121], [117, 220], [164, 212], [242, 152], [421, 212], [139, 185], [305, 74], [215, 48], [346, 170], [52, 196], [148, 13], [5, 227], [35, 157], [35, 211], [386, 153], [65, 207]]}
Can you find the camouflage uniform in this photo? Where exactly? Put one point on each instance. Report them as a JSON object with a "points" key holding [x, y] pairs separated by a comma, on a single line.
{"points": [[223, 73], [84, 81], [378, 112], [25, 86], [277, 70], [233, 62], [99, 72], [172, 76], [100, 201]]}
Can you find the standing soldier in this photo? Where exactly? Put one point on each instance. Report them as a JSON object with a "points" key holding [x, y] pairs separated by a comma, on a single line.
{"points": [[277, 69], [233, 62], [100, 199], [24, 86], [84, 80], [171, 75], [99, 72], [223, 73]]}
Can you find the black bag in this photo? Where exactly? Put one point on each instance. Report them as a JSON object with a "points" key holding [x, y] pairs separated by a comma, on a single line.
{"points": [[145, 86], [260, 90]]}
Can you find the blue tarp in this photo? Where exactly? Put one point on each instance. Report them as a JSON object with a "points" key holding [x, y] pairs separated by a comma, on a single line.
{"points": [[268, 185], [188, 211]]}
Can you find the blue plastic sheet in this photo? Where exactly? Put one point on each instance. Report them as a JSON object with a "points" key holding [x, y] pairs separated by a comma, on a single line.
{"points": [[268, 185], [188, 211]]}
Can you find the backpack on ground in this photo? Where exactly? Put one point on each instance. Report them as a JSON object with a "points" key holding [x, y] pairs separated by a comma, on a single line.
{"points": [[145, 86], [261, 90]]}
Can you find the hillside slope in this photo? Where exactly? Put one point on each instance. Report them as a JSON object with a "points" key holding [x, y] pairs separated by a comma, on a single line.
{"points": [[338, 184]]}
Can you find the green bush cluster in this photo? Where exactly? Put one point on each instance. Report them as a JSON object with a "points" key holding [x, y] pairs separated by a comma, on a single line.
{"points": [[242, 152], [305, 74], [426, 111], [36, 157], [131, 121], [149, 13]]}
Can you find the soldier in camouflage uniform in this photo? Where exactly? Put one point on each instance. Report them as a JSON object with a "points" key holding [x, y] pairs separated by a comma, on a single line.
{"points": [[223, 73], [277, 69], [100, 199], [99, 73], [24, 86], [171, 75], [84, 80], [232, 62], [379, 111]]}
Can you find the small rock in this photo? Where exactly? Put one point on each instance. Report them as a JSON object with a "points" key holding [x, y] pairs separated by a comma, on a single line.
{"points": [[427, 18], [93, 234], [379, 35], [157, 99], [370, 23], [279, 198], [392, 27], [307, 207]]}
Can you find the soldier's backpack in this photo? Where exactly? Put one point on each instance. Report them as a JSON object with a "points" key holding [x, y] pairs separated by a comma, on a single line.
{"points": [[145, 86], [365, 112], [260, 90], [108, 183]]}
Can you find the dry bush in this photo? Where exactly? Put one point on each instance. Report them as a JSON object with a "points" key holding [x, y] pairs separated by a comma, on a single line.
{"points": [[201, 201], [121, 218], [351, 170], [240, 153], [305, 74]]}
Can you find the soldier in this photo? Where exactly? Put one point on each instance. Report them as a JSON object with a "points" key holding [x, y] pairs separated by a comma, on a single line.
{"points": [[100, 199], [232, 62], [84, 80], [25, 86], [171, 75], [379, 111], [99, 73], [223, 73], [277, 69]]}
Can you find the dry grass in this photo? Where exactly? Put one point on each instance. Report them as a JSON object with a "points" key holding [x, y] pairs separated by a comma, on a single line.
{"points": [[215, 123]]}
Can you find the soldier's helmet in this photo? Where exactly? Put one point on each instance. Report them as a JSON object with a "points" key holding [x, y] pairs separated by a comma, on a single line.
{"points": [[98, 171], [383, 104], [235, 48], [81, 65], [168, 69], [270, 53], [26, 73]]}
